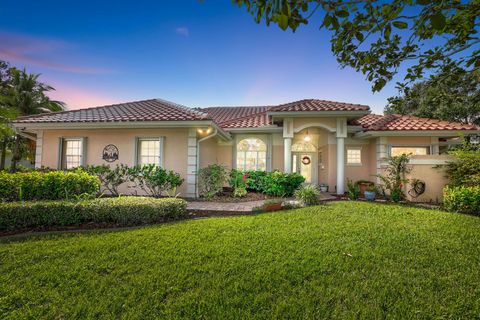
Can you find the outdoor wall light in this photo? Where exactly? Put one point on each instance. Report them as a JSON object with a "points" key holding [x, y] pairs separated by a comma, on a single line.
{"points": [[307, 138]]}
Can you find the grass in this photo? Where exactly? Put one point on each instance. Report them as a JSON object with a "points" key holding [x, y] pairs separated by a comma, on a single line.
{"points": [[343, 260]]}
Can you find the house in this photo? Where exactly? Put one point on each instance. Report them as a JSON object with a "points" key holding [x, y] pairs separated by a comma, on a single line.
{"points": [[327, 142]]}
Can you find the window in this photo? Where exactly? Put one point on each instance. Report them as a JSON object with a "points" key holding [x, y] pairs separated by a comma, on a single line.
{"points": [[149, 151], [251, 154], [354, 156], [416, 151], [72, 152]]}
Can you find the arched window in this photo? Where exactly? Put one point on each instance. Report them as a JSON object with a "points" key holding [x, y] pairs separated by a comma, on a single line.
{"points": [[251, 154]]}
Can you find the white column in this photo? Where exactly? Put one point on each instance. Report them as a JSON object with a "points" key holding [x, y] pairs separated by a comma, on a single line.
{"points": [[341, 135], [39, 149], [340, 165], [287, 152], [192, 154], [435, 146]]}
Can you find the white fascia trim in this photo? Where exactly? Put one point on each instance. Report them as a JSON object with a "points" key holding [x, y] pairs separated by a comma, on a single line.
{"points": [[298, 114], [266, 129], [108, 125], [354, 129], [415, 133]]}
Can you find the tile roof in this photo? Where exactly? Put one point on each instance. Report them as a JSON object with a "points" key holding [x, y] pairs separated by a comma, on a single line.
{"points": [[146, 110], [239, 117], [318, 105], [395, 122]]}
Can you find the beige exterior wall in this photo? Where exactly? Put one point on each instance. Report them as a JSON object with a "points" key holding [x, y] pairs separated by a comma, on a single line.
{"points": [[175, 147], [434, 178], [222, 152]]}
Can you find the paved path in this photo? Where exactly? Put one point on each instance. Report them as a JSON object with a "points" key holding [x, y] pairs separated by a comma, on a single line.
{"points": [[234, 207]]}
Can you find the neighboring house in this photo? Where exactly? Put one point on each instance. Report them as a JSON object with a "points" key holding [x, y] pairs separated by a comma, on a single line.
{"points": [[327, 142]]}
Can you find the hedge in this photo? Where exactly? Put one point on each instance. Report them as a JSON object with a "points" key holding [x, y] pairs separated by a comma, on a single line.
{"points": [[462, 199], [122, 211], [53, 185]]}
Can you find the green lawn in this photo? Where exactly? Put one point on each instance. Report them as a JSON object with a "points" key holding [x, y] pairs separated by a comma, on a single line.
{"points": [[343, 260]]}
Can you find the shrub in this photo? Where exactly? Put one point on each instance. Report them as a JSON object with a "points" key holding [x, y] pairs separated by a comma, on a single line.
{"points": [[154, 180], [282, 184], [211, 180], [255, 180], [462, 199], [50, 185], [110, 178], [240, 192], [308, 195], [238, 179], [465, 169], [353, 190], [122, 211]]}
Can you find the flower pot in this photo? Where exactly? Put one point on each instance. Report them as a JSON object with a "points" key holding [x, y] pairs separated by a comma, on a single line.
{"points": [[370, 195], [273, 207], [323, 188]]}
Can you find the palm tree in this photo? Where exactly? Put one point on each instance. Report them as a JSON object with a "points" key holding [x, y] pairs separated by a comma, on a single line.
{"points": [[26, 94]]}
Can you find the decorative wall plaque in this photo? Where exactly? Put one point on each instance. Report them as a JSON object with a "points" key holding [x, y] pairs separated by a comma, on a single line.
{"points": [[110, 153]]}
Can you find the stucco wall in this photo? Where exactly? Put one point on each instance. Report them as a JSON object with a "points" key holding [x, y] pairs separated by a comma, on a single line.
{"points": [[175, 147]]}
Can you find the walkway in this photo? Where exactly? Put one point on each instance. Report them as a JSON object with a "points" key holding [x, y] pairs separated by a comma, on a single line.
{"points": [[228, 208]]}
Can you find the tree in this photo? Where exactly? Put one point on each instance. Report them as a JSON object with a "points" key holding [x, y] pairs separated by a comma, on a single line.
{"points": [[376, 37], [7, 113], [25, 94], [452, 95]]}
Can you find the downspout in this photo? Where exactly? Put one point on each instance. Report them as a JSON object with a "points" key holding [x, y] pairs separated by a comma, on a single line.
{"points": [[215, 132]]}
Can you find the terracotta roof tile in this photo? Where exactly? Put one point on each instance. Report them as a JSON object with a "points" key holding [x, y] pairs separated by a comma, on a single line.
{"points": [[394, 122], [146, 110], [318, 105], [239, 117]]}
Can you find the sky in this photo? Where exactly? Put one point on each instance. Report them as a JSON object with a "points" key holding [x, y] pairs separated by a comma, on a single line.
{"points": [[196, 53]]}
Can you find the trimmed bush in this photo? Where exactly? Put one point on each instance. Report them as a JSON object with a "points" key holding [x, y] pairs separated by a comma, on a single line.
{"points": [[462, 199], [308, 195], [211, 180], [123, 211], [53, 185], [281, 184]]}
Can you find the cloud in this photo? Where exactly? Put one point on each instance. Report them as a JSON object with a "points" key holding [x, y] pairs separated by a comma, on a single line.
{"points": [[41, 52], [183, 31]]}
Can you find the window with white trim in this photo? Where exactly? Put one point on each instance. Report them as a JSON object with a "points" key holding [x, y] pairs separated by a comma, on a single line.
{"points": [[251, 154], [416, 151], [72, 153], [354, 156], [150, 151]]}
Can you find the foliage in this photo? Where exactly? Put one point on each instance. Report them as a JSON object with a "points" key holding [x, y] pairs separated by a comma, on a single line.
{"points": [[21, 93], [240, 192], [51, 185], [122, 211], [462, 199], [110, 178], [377, 37], [451, 95], [308, 195], [465, 169], [211, 180], [394, 178], [255, 179], [353, 190], [238, 179], [311, 263], [281, 184], [154, 180], [371, 188]]}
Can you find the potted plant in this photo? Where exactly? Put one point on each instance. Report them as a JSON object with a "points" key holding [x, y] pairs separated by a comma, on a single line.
{"points": [[370, 192], [363, 185], [272, 205], [323, 187]]}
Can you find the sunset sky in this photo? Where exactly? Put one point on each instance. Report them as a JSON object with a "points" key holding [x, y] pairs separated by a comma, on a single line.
{"points": [[195, 53]]}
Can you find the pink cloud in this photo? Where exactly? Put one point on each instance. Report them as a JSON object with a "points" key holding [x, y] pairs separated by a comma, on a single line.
{"points": [[183, 31], [78, 98], [32, 51]]}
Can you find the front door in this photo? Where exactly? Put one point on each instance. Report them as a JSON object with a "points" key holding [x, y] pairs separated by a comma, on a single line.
{"points": [[304, 163]]}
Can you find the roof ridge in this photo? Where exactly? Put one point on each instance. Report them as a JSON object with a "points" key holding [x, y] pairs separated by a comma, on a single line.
{"points": [[183, 107], [243, 118], [82, 109]]}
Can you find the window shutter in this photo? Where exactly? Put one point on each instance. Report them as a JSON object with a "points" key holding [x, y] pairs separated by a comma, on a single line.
{"points": [[84, 152], [60, 154], [161, 152]]}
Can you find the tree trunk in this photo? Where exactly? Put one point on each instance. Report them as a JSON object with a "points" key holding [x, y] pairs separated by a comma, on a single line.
{"points": [[3, 151]]}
